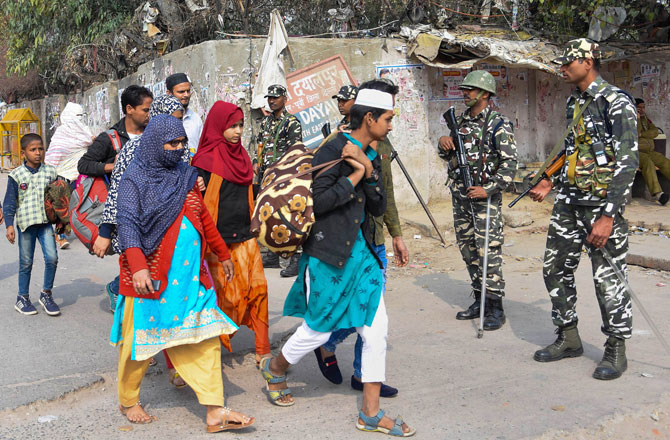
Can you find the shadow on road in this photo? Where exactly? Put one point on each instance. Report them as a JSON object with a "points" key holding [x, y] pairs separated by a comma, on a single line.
{"points": [[529, 321], [9, 269], [78, 288]]}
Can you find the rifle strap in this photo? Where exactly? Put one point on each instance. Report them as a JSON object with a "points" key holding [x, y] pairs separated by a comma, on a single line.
{"points": [[277, 131], [480, 160], [559, 145]]}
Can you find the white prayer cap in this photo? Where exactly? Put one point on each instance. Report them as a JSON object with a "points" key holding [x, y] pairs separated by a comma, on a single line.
{"points": [[374, 98]]}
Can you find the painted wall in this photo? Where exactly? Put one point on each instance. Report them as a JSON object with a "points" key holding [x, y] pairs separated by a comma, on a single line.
{"points": [[224, 70]]}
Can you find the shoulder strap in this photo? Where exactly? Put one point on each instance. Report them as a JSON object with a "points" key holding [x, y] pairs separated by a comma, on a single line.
{"points": [[480, 161], [277, 131], [323, 167], [493, 133], [559, 145], [114, 137]]}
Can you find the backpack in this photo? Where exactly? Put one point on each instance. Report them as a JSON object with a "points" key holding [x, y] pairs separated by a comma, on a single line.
{"points": [[87, 202], [284, 210]]}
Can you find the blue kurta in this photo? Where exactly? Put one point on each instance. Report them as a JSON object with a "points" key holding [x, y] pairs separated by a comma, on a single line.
{"points": [[185, 313]]}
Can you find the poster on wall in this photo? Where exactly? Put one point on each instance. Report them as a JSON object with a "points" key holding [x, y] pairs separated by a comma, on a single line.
{"points": [[498, 72], [409, 100], [102, 106], [310, 96], [649, 71], [451, 79]]}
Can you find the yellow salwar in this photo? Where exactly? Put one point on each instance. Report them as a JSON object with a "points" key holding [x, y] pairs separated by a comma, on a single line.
{"points": [[199, 364]]}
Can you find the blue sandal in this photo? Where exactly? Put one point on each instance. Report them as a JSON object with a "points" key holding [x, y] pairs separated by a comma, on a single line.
{"points": [[275, 395], [372, 425]]}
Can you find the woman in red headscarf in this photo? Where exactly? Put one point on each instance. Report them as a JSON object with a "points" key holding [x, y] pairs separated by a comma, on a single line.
{"points": [[226, 168]]}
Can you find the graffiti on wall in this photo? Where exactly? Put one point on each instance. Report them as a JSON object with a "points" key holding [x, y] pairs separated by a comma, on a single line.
{"points": [[52, 118]]}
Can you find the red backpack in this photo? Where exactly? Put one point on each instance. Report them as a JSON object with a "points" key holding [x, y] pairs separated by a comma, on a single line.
{"points": [[87, 202]]}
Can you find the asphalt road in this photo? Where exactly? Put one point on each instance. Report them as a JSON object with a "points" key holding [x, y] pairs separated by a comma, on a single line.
{"points": [[452, 385]]}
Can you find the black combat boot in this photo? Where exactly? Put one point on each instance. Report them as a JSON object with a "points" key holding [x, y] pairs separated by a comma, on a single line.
{"points": [[568, 344], [292, 268], [614, 361], [494, 317], [270, 260], [471, 312]]}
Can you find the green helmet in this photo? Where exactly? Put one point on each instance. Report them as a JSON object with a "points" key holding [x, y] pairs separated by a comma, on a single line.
{"points": [[480, 79]]}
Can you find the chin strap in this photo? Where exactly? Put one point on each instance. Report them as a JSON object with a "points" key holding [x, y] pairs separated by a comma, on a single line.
{"points": [[472, 102]]}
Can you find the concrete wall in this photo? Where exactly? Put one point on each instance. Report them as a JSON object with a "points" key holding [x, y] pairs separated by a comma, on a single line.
{"points": [[224, 70]]}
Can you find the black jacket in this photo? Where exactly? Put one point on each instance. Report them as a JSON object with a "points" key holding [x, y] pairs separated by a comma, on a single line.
{"points": [[102, 152], [339, 207]]}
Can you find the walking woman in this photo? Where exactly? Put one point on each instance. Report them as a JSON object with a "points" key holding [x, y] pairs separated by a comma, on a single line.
{"points": [[226, 168], [167, 301], [340, 279], [162, 105]]}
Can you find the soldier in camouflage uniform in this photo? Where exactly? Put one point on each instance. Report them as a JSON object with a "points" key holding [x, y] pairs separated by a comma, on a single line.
{"points": [[488, 138], [593, 185], [345, 100], [279, 131]]}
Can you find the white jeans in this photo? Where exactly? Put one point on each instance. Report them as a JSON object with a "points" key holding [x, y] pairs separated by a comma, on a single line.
{"points": [[374, 337]]}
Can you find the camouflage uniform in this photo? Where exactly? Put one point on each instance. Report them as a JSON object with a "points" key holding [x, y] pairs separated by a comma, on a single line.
{"points": [[286, 129], [498, 166], [610, 117]]}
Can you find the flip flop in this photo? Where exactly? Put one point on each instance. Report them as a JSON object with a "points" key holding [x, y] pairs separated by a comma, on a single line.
{"points": [[227, 425]]}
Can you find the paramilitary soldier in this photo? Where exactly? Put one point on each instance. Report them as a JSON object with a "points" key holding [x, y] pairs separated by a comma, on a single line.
{"points": [[602, 158], [488, 138], [279, 131]]}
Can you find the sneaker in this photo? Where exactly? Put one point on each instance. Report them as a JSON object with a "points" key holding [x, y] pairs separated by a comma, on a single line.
{"points": [[62, 242], [663, 199], [47, 301], [113, 297], [24, 306]]}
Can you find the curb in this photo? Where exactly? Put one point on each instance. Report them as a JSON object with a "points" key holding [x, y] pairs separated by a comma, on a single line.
{"points": [[648, 262], [427, 230]]}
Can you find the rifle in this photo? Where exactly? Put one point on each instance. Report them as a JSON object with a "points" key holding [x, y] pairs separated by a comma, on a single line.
{"points": [[325, 130], [461, 155], [552, 169]]}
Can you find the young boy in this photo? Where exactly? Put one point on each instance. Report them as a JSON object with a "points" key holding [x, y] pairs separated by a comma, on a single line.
{"points": [[25, 201]]}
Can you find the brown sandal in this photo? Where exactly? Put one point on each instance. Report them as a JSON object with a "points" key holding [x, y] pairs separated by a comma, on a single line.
{"points": [[124, 411], [227, 425]]}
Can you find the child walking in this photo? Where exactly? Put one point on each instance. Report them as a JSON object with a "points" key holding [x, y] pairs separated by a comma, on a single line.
{"points": [[24, 200]]}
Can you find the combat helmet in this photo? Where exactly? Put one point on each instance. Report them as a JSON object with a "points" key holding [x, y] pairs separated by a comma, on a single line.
{"points": [[480, 79]]}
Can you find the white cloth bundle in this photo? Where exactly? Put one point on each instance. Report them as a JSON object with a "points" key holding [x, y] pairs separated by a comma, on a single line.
{"points": [[69, 142]]}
